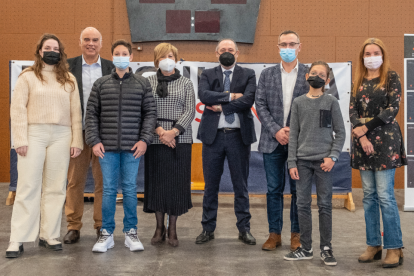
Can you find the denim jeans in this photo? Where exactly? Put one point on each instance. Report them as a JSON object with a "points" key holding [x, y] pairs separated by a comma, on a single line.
{"points": [[275, 167], [323, 180], [115, 165], [378, 187]]}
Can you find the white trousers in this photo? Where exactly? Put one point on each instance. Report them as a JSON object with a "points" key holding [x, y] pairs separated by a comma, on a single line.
{"points": [[41, 184]]}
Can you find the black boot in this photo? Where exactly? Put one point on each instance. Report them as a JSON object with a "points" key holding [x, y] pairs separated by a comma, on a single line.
{"points": [[160, 231], [247, 238], [172, 231], [204, 237]]}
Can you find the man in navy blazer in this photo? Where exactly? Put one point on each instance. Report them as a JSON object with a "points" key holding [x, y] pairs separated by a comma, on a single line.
{"points": [[278, 87], [227, 131]]}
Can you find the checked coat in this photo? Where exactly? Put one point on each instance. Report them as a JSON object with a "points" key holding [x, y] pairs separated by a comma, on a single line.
{"points": [[269, 103]]}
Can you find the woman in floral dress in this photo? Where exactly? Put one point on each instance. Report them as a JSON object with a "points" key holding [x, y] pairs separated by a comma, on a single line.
{"points": [[377, 149]]}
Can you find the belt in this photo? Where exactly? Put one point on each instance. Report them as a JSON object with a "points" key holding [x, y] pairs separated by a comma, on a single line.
{"points": [[365, 120], [228, 130]]}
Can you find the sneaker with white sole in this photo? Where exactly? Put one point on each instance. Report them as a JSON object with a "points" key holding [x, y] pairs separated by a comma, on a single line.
{"points": [[299, 254], [14, 250], [105, 242], [132, 241], [327, 256]]}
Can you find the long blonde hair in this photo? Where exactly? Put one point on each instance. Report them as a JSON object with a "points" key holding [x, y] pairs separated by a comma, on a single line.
{"points": [[361, 71], [61, 68]]}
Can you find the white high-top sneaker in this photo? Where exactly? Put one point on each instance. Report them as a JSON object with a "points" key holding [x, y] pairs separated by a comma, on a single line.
{"points": [[105, 242], [132, 241], [14, 250]]}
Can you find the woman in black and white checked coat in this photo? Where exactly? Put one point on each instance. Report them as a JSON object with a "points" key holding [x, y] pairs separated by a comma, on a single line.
{"points": [[168, 159]]}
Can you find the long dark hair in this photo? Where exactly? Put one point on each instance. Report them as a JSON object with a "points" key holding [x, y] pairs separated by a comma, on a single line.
{"points": [[61, 68]]}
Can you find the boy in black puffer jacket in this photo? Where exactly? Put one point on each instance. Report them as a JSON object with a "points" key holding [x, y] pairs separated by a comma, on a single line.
{"points": [[120, 120]]}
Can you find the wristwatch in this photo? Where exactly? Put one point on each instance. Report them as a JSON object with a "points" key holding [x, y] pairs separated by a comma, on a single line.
{"points": [[334, 159], [143, 141], [176, 131]]}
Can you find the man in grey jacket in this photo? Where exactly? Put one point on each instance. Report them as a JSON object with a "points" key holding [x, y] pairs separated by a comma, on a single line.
{"points": [[278, 87]]}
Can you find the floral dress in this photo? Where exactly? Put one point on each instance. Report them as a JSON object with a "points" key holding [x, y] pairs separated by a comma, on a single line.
{"points": [[387, 141]]}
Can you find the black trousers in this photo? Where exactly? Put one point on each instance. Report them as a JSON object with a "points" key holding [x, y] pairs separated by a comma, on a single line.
{"points": [[228, 145]]}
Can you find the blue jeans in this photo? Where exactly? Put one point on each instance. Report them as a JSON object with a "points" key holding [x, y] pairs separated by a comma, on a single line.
{"points": [[275, 167], [378, 187], [115, 165]]}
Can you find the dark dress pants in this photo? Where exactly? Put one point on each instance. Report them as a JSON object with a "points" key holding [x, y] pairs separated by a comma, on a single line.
{"points": [[228, 145]]}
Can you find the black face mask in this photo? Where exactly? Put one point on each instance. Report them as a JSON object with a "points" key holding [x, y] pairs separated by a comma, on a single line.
{"points": [[227, 59], [51, 57], [316, 82]]}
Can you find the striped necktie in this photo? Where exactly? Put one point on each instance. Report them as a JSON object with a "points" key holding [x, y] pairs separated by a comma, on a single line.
{"points": [[229, 118]]}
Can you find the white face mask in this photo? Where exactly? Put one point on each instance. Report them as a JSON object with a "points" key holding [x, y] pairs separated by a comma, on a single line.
{"points": [[373, 63], [167, 65]]}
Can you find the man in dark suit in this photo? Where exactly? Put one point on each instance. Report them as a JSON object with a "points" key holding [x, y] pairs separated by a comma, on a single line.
{"points": [[87, 68], [278, 87], [226, 130]]}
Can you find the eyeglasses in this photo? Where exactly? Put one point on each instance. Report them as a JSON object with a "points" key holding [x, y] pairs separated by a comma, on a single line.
{"points": [[322, 76], [291, 45]]}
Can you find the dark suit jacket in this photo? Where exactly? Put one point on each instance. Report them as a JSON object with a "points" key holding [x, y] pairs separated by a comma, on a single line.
{"points": [[75, 67], [269, 103], [210, 92]]}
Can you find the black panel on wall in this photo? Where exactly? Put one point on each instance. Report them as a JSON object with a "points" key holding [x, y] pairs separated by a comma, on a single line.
{"points": [[158, 20]]}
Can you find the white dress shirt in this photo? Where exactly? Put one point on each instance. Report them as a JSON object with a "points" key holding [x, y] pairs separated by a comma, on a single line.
{"points": [[288, 84], [222, 122], [90, 73]]}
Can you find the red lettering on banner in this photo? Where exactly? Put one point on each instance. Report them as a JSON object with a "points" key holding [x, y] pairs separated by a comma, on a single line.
{"points": [[199, 111], [255, 113]]}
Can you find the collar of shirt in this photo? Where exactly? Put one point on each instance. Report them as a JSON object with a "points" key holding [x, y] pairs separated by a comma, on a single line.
{"points": [[294, 69], [98, 62], [231, 69]]}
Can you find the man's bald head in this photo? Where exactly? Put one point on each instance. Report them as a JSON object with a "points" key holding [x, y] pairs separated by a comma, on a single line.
{"points": [[91, 30], [90, 43]]}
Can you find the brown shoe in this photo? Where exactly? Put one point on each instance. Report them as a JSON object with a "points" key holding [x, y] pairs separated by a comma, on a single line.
{"points": [[294, 241], [394, 258], [71, 237], [370, 254], [272, 242], [98, 232]]}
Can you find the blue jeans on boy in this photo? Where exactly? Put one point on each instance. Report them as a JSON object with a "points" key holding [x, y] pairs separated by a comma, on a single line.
{"points": [[378, 187], [119, 165], [275, 167]]}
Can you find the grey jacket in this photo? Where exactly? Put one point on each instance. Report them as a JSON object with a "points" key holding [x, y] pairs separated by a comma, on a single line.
{"points": [[269, 103], [120, 112]]}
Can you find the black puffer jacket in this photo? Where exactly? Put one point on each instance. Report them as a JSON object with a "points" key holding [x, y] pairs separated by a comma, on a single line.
{"points": [[120, 112]]}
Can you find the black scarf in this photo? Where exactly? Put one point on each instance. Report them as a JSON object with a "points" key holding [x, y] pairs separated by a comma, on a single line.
{"points": [[163, 81]]}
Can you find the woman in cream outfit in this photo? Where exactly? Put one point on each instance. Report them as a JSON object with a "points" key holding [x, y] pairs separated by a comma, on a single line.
{"points": [[46, 123]]}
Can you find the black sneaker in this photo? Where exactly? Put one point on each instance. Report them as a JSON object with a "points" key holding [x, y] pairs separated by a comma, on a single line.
{"points": [[327, 256], [299, 254], [204, 237]]}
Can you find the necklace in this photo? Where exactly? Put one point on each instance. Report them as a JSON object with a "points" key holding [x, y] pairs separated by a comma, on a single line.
{"points": [[317, 96]]}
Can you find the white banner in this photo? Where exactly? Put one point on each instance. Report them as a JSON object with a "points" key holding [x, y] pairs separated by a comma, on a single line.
{"points": [[340, 87]]}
